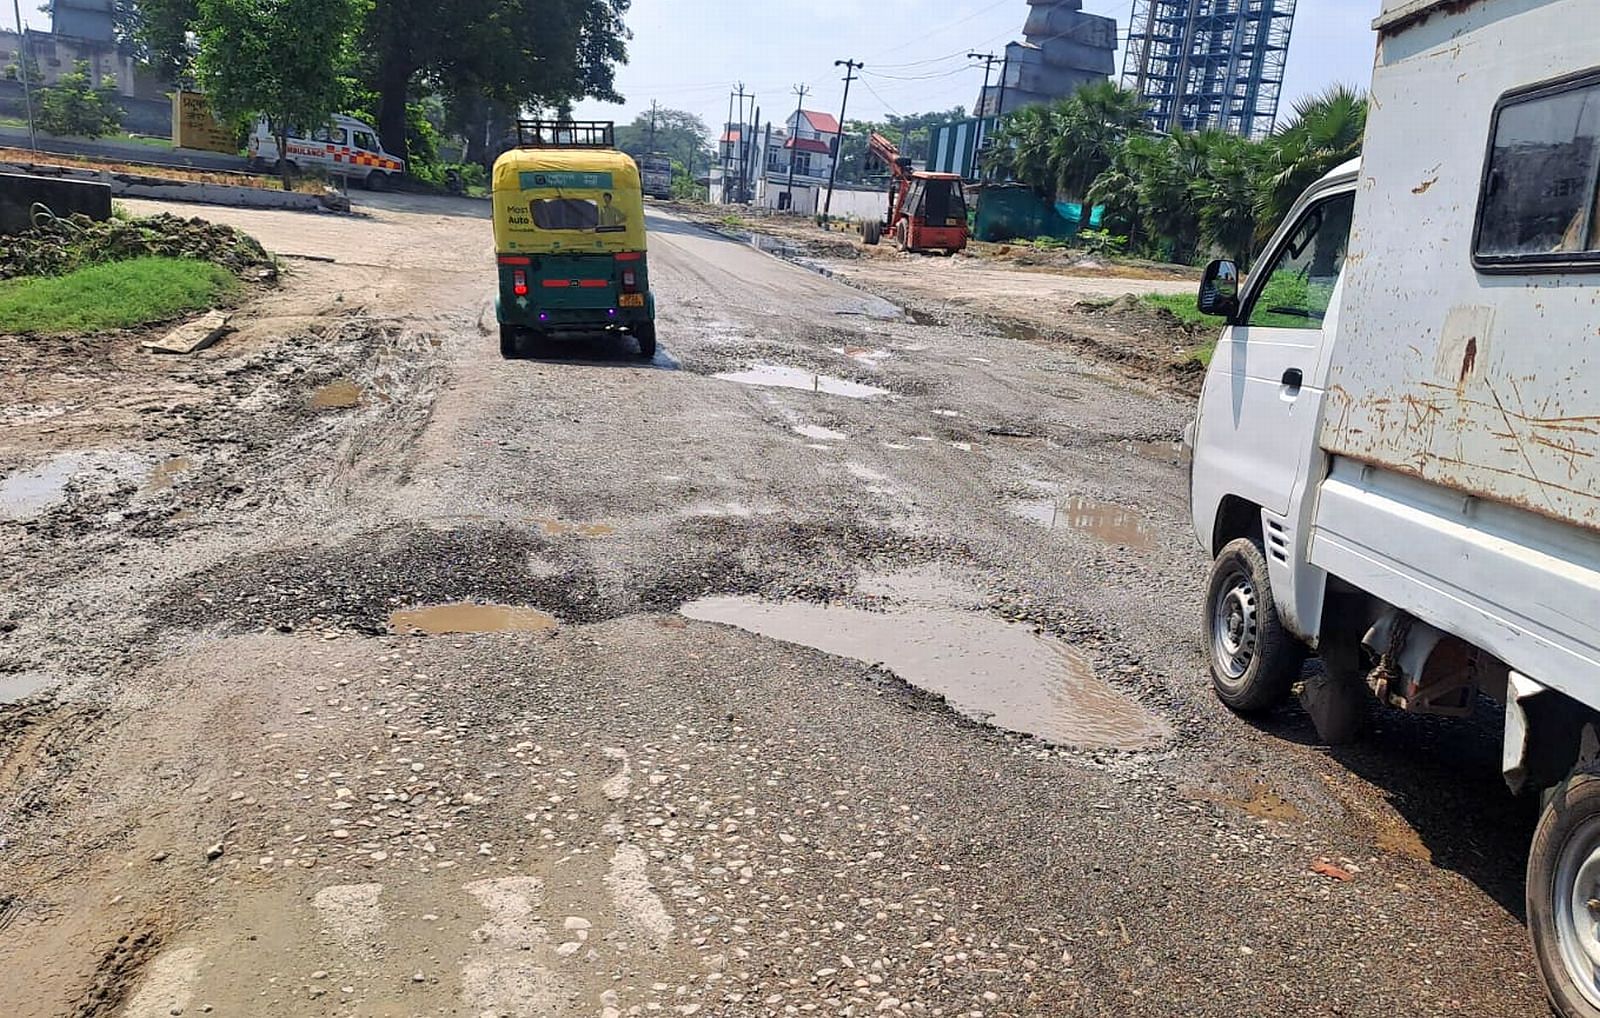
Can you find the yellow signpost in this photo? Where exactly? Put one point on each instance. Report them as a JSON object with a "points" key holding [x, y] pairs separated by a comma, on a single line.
{"points": [[194, 126]]}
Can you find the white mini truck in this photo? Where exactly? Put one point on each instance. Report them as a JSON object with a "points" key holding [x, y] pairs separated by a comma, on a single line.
{"points": [[1396, 457]]}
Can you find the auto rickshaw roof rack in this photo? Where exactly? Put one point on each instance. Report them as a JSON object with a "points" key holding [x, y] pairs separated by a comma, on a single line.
{"points": [[566, 134]]}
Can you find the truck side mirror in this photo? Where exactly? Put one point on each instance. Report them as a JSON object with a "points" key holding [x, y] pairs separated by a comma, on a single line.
{"points": [[1219, 290]]}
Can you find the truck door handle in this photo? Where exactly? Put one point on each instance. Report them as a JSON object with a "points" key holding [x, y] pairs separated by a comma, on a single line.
{"points": [[1292, 380]]}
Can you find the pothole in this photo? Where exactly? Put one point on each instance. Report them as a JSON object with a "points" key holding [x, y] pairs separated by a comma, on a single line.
{"points": [[782, 376], [1169, 452], [995, 672], [818, 433], [1104, 521], [562, 528], [21, 685], [339, 394], [167, 472], [27, 493], [447, 619]]}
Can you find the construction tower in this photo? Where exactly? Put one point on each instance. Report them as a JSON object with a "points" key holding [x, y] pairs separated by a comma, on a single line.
{"points": [[1209, 63], [1064, 49]]}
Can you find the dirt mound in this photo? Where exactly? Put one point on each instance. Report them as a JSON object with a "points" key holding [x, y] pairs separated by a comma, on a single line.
{"points": [[56, 246]]}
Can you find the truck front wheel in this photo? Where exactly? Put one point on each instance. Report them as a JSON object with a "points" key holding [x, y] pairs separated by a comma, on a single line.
{"points": [[1254, 660], [1564, 896]]}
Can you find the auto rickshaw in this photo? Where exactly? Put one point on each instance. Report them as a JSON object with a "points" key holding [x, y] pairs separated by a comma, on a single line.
{"points": [[570, 237]]}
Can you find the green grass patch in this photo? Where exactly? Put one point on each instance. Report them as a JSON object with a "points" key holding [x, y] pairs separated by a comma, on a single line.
{"points": [[116, 295], [1183, 305]]}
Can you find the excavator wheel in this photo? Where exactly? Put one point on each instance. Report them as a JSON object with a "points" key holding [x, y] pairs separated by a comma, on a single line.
{"points": [[871, 232]]}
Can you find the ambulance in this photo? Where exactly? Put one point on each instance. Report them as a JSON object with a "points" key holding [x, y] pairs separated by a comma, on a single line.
{"points": [[346, 147]]}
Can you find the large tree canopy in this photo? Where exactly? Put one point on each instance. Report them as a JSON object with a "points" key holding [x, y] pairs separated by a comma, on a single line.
{"points": [[275, 58], [507, 53]]}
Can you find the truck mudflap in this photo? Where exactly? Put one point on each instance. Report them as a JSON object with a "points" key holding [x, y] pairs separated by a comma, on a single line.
{"points": [[1514, 747]]}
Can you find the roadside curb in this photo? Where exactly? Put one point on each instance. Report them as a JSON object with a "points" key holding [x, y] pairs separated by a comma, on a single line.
{"points": [[128, 185]]}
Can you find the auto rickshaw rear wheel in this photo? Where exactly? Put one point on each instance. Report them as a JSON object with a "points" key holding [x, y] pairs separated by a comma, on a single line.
{"points": [[646, 335], [510, 342]]}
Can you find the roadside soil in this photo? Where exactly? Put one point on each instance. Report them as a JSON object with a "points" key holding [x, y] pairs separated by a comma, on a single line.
{"points": [[701, 751]]}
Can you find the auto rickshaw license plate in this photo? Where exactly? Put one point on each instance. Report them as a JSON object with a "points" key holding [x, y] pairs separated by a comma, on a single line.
{"points": [[632, 300]]}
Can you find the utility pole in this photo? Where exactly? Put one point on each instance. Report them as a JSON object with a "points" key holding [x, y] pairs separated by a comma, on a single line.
{"points": [[653, 107], [727, 137], [989, 60], [22, 63], [739, 159], [1005, 70], [850, 69], [794, 138], [750, 152]]}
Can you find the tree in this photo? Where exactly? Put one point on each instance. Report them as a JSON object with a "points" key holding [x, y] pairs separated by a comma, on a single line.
{"points": [[1228, 194], [74, 106], [1326, 130], [1090, 126], [1061, 148], [278, 59], [159, 32], [488, 54]]}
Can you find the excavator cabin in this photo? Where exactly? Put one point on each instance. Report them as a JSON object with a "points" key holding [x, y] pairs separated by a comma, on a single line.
{"points": [[927, 211]]}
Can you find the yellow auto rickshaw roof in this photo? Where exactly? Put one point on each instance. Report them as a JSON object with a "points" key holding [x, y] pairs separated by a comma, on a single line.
{"points": [[508, 169]]}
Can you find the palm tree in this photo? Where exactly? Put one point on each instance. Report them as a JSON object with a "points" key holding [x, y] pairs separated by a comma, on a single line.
{"points": [[1021, 148], [1091, 126], [1326, 130], [1227, 193]]}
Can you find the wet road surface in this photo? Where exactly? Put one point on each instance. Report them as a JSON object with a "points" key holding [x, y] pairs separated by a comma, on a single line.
{"points": [[830, 662]]}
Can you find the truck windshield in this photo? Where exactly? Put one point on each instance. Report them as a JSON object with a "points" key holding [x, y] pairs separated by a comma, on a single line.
{"points": [[1300, 280]]}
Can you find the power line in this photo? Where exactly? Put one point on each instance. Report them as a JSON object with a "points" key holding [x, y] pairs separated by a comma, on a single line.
{"points": [[946, 27]]}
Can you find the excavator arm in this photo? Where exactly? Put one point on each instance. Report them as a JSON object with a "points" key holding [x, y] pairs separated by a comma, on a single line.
{"points": [[888, 154]]}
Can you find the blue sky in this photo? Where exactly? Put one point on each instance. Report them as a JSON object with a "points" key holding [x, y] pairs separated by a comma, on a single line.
{"points": [[688, 54]]}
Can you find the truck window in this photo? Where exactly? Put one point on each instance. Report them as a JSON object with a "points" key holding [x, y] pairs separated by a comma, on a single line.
{"points": [[365, 141], [1299, 283], [1542, 180]]}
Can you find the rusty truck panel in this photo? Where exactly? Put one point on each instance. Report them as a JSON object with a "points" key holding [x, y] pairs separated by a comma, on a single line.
{"points": [[1475, 376]]}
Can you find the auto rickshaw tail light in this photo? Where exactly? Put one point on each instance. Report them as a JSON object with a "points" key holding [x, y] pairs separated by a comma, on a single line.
{"points": [[519, 283], [630, 280]]}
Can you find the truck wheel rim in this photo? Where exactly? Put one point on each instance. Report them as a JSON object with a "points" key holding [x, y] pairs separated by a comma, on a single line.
{"points": [[1234, 626], [1577, 909]]}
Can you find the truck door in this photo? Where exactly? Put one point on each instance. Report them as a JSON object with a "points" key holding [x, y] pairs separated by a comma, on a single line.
{"points": [[1258, 416]]}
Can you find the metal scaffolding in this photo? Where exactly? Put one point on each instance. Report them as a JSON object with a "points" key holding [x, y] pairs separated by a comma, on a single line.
{"points": [[1209, 63]]}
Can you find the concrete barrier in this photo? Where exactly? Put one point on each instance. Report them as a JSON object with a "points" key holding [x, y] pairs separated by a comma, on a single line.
{"points": [[19, 192], [129, 185]]}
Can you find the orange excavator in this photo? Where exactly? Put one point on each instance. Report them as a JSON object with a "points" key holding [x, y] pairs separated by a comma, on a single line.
{"points": [[927, 211]]}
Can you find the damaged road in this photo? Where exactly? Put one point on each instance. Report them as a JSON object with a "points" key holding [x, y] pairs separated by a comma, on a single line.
{"points": [[830, 662]]}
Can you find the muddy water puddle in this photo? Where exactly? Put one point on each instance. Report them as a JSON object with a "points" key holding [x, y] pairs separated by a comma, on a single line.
{"points": [[167, 472], [339, 394], [21, 685], [447, 619], [562, 528], [25, 494], [1104, 521], [1169, 452], [785, 377], [818, 433], [992, 671]]}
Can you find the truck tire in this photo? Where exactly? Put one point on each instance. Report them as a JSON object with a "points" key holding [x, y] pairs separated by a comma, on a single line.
{"points": [[1563, 896], [646, 335], [1254, 660], [871, 232], [510, 342], [377, 180]]}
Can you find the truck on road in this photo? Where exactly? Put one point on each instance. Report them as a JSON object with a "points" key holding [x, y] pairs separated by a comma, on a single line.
{"points": [[656, 173], [1396, 456]]}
